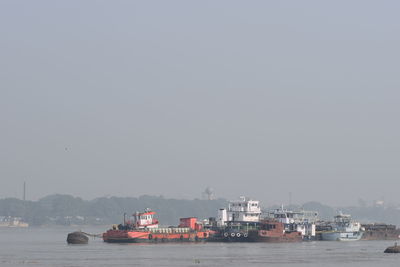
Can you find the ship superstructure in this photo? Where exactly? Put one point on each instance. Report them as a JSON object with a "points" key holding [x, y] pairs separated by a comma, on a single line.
{"points": [[301, 221], [241, 210], [242, 222], [145, 219]]}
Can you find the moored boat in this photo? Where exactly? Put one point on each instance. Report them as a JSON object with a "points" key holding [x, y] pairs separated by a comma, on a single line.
{"points": [[145, 229], [274, 231], [263, 231], [242, 222], [343, 229], [380, 231], [300, 221]]}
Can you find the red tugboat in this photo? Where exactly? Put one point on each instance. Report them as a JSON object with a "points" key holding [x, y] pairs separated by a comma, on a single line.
{"points": [[145, 229]]}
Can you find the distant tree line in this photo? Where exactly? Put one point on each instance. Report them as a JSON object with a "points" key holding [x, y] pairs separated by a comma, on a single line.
{"points": [[66, 209], [69, 210]]}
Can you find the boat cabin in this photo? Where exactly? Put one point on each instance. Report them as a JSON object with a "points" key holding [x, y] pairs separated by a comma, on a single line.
{"points": [[244, 210], [300, 221], [145, 219]]}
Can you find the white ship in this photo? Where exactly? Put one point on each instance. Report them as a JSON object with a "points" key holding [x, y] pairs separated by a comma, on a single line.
{"points": [[343, 229], [243, 210]]}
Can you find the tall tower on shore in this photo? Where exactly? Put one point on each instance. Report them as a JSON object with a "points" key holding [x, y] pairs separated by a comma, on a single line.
{"points": [[208, 193], [24, 192]]}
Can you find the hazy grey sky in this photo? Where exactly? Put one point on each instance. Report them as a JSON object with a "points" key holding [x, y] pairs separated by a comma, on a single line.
{"points": [[256, 98]]}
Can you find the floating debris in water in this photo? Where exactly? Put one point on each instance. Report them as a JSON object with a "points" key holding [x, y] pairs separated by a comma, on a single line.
{"points": [[393, 249]]}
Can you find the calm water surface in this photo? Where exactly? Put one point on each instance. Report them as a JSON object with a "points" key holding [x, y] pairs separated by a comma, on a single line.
{"points": [[48, 247]]}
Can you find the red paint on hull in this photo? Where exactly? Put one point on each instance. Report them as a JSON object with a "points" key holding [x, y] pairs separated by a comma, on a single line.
{"points": [[137, 236]]}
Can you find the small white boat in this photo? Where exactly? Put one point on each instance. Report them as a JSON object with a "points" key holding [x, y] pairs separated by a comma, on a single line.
{"points": [[8, 221]]}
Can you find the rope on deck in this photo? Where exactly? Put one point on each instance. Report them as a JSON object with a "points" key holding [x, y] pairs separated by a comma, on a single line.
{"points": [[92, 235]]}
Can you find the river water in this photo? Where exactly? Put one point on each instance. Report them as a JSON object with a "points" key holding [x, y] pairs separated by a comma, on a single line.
{"points": [[47, 247]]}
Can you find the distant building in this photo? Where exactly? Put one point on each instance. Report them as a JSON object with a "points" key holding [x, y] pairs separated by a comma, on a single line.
{"points": [[208, 193], [379, 203]]}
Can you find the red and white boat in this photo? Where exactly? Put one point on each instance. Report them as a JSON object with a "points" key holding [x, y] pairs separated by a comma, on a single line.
{"points": [[145, 229]]}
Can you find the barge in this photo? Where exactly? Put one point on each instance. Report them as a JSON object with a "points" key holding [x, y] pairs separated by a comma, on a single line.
{"points": [[144, 229], [380, 231]]}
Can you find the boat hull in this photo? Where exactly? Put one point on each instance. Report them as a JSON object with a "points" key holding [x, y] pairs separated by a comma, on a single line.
{"points": [[140, 240], [341, 236], [126, 236], [275, 237], [380, 232], [258, 236]]}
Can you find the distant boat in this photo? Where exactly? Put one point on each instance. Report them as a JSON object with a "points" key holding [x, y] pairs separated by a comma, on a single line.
{"points": [[8, 221], [343, 229]]}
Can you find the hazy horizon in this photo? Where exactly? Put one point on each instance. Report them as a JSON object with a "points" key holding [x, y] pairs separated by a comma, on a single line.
{"points": [[257, 98], [379, 202]]}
